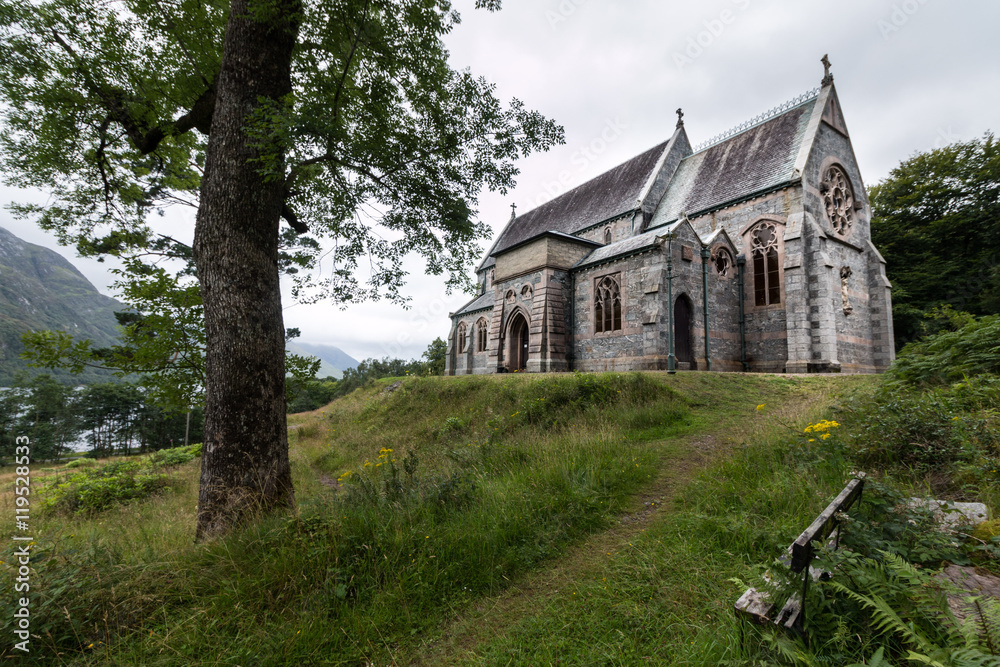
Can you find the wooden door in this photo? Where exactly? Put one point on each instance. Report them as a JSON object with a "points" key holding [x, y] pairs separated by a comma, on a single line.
{"points": [[682, 330], [518, 343]]}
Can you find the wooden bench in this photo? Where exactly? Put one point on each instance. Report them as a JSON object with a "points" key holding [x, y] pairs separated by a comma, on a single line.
{"points": [[755, 606]]}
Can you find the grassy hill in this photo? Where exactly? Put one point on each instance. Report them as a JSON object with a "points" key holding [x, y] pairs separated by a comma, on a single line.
{"points": [[477, 520], [40, 290]]}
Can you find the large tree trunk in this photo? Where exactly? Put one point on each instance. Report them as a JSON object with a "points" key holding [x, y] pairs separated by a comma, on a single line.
{"points": [[244, 467]]}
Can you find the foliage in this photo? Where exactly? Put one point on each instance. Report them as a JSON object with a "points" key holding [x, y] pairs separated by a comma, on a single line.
{"points": [[434, 357], [375, 369], [884, 610], [114, 417], [353, 128], [174, 457], [952, 429], [950, 356], [162, 339], [82, 462], [308, 394], [95, 490], [42, 410], [379, 132], [92, 491], [391, 555], [884, 596], [936, 220]]}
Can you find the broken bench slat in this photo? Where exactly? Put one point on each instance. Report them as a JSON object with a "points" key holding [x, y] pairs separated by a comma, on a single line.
{"points": [[824, 524], [755, 606]]}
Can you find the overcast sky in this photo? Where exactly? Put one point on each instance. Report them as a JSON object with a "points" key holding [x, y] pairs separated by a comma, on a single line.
{"points": [[912, 75]]}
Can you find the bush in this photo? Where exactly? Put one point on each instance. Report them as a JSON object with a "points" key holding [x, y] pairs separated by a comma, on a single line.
{"points": [[934, 429], [80, 463], [115, 483], [175, 456], [951, 356], [93, 491]]}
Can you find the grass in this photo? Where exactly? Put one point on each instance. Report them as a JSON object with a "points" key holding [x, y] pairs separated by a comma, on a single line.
{"points": [[565, 515]]}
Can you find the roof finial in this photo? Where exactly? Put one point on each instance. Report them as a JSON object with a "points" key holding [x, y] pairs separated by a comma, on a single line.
{"points": [[513, 211], [827, 77], [680, 119]]}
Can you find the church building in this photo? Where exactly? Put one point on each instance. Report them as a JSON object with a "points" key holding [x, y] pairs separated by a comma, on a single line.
{"points": [[751, 252]]}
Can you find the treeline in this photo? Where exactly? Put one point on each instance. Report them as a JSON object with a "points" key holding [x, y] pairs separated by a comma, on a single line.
{"points": [[936, 220], [311, 394], [110, 417]]}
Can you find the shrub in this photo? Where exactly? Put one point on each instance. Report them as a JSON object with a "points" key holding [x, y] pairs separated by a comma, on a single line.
{"points": [[175, 456], [951, 356], [115, 483], [80, 463], [92, 491], [933, 429]]}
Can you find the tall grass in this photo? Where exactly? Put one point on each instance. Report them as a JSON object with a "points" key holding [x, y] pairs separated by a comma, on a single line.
{"points": [[491, 478]]}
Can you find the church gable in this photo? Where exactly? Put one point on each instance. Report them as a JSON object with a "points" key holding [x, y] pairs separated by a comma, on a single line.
{"points": [[834, 116], [754, 160]]}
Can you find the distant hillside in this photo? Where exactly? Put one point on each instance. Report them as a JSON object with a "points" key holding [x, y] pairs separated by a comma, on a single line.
{"points": [[39, 289], [334, 360]]}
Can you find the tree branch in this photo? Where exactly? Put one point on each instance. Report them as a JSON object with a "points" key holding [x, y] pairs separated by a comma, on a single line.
{"points": [[146, 139], [347, 65]]}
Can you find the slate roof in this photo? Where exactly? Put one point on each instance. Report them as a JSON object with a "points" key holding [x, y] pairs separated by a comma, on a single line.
{"points": [[605, 197], [756, 160], [481, 302], [623, 247]]}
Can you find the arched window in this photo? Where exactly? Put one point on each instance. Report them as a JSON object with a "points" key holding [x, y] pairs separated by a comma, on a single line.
{"points": [[607, 235], [607, 305], [482, 331], [838, 197], [766, 273], [462, 331]]}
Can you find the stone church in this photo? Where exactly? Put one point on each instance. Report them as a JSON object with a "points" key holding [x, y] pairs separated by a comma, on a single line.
{"points": [[751, 252]]}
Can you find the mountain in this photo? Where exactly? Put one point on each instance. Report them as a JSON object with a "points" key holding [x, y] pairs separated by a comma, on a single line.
{"points": [[334, 360], [39, 289]]}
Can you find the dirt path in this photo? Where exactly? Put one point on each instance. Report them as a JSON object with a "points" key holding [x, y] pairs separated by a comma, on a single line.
{"points": [[681, 459]]}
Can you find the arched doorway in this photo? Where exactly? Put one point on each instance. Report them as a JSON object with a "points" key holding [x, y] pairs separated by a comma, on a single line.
{"points": [[518, 338], [682, 330]]}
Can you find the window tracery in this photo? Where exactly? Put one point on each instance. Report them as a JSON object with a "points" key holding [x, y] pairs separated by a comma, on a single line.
{"points": [[723, 262], [482, 329], [766, 271], [607, 304], [462, 337], [838, 199]]}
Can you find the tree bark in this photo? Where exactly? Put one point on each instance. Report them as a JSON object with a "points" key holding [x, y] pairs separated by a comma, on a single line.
{"points": [[244, 468]]}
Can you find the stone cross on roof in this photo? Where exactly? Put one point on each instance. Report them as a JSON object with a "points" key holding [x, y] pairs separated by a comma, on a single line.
{"points": [[680, 118], [827, 77]]}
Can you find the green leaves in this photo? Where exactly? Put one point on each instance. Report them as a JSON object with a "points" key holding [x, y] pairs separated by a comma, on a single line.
{"points": [[936, 220]]}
